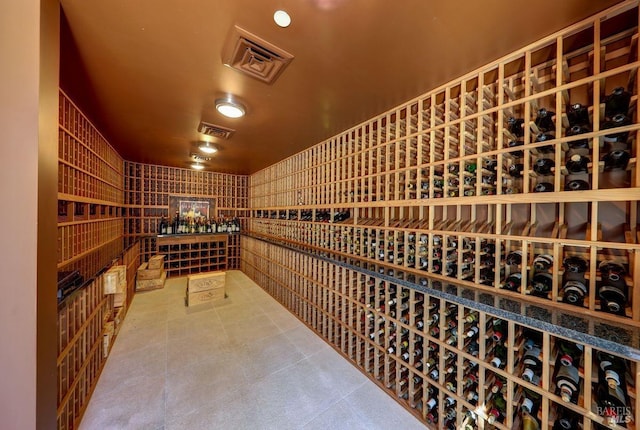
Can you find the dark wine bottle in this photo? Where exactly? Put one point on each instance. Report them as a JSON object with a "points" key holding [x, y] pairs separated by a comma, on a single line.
{"points": [[514, 144], [616, 160], [544, 166], [617, 103], [515, 170], [578, 115], [541, 284], [611, 270], [619, 120], [543, 262], [544, 120], [579, 143], [565, 420], [513, 282], [578, 163], [574, 291], [543, 137], [613, 296], [514, 258], [575, 264], [515, 126], [543, 187], [576, 185]]}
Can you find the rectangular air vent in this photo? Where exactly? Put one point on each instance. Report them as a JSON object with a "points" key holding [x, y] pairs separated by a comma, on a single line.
{"points": [[215, 130], [253, 56]]}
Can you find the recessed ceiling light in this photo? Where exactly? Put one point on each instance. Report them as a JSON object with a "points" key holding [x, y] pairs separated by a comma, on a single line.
{"points": [[197, 166], [282, 18], [229, 108], [207, 148]]}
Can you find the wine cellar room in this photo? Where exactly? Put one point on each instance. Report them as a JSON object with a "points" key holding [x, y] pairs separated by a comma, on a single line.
{"points": [[321, 214]]}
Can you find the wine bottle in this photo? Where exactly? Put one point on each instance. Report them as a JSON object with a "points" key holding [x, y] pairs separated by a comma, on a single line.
{"points": [[513, 282], [515, 170], [543, 187], [543, 262], [497, 409], [568, 382], [616, 160], [619, 120], [578, 115], [515, 144], [611, 369], [574, 291], [612, 403], [499, 359], [578, 164], [613, 295], [617, 102], [565, 420], [543, 137], [532, 365], [529, 422], [500, 330], [575, 264], [514, 258], [544, 120], [544, 166], [541, 284], [579, 143], [515, 126], [576, 185]]}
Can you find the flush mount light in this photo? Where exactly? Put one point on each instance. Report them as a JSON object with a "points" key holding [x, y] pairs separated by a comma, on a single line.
{"points": [[197, 166], [282, 18], [207, 148], [229, 108]]}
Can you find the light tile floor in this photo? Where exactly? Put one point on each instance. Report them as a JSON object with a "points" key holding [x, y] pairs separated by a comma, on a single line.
{"points": [[246, 363]]}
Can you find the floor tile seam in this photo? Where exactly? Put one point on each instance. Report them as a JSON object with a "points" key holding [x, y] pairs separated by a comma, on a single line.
{"points": [[331, 405]]}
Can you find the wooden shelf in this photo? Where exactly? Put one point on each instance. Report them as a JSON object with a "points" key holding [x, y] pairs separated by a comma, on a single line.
{"points": [[437, 191], [193, 253]]}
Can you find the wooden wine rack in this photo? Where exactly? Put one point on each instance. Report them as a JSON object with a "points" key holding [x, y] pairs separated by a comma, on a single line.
{"points": [[351, 308], [148, 189], [82, 318], [194, 253], [437, 179], [90, 194]]}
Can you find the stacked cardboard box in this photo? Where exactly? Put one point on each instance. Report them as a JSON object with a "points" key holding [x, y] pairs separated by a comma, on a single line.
{"points": [[205, 287], [115, 282], [151, 275]]}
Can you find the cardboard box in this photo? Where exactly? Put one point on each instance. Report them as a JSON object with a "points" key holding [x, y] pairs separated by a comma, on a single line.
{"points": [[206, 281], [144, 272], [156, 262], [204, 296], [151, 284]]}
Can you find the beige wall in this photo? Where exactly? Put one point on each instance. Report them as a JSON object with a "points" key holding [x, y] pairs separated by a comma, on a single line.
{"points": [[28, 177]]}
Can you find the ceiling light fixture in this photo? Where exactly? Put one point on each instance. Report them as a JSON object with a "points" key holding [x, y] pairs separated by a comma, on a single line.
{"points": [[229, 108], [282, 18], [197, 166], [207, 148]]}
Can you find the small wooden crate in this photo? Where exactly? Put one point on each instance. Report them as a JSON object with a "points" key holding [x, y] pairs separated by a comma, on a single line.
{"points": [[204, 296], [205, 287], [119, 299], [115, 280], [156, 262], [144, 272], [206, 281], [151, 284]]}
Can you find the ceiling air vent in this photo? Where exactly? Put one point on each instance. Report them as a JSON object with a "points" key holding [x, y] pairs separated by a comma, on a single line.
{"points": [[253, 56], [215, 130]]}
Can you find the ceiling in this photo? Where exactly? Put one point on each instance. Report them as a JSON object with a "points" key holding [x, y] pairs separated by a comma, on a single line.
{"points": [[147, 72]]}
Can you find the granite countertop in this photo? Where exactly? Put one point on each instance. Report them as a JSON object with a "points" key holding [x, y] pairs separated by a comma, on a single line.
{"points": [[590, 330]]}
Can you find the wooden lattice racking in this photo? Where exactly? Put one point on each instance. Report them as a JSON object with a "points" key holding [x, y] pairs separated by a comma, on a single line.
{"points": [[445, 186], [148, 189]]}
